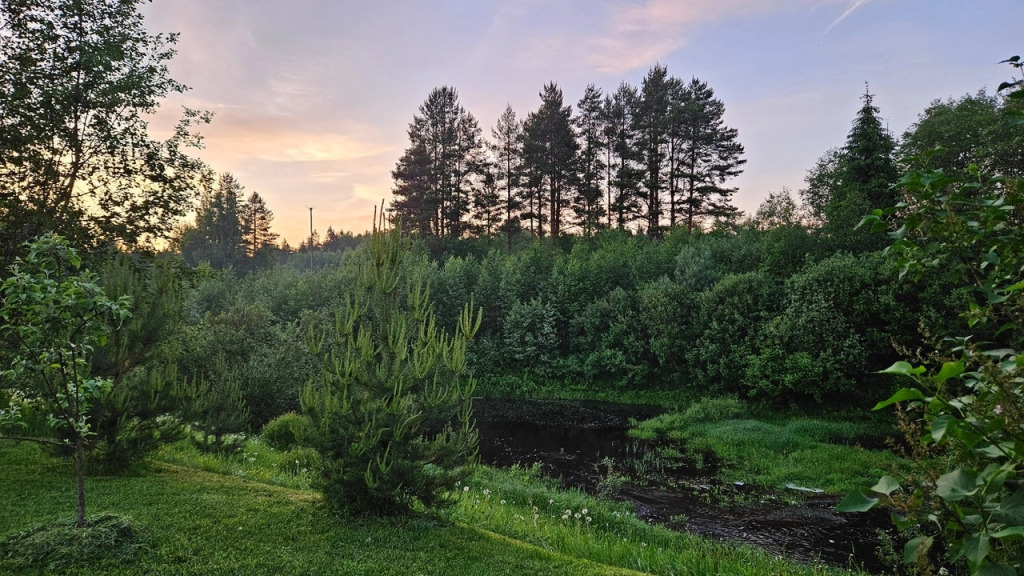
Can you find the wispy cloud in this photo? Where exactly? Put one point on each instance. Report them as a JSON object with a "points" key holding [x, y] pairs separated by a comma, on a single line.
{"points": [[856, 4], [641, 33]]}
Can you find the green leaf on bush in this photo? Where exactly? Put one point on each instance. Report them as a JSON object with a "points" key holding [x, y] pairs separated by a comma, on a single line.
{"points": [[1010, 533], [949, 370], [939, 426], [903, 368], [857, 502], [956, 485], [886, 485], [996, 570], [915, 548], [903, 395], [1011, 509], [976, 548]]}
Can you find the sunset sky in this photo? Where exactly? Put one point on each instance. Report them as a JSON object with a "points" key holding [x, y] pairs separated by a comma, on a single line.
{"points": [[313, 97]]}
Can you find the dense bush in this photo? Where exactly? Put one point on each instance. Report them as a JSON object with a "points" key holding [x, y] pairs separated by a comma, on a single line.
{"points": [[763, 313], [287, 431]]}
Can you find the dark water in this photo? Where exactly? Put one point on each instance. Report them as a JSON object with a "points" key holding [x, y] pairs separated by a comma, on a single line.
{"points": [[572, 440]]}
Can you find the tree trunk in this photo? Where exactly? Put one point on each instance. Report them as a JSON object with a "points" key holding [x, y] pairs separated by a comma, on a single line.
{"points": [[80, 478]]}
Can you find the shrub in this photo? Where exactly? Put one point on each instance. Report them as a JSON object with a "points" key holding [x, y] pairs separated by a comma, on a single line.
{"points": [[714, 410], [301, 460], [287, 431]]}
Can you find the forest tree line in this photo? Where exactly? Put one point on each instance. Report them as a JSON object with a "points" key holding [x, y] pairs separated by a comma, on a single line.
{"points": [[645, 158]]}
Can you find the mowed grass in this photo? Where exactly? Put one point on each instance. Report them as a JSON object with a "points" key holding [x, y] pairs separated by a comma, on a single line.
{"points": [[202, 523], [504, 522]]}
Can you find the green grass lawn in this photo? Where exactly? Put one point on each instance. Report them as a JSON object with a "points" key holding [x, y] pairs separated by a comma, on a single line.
{"points": [[505, 522], [203, 523]]}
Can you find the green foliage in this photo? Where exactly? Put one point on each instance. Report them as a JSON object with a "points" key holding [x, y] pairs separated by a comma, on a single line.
{"points": [[217, 414], [64, 546], [134, 416], [965, 412], [54, 316], [78, 83], [391, 403], [246, 344], [714, 409], [826, 335], [287, 431], [952, 135], [732, 315]]}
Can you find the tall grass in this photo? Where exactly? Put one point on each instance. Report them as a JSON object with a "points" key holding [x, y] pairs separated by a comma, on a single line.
{"points": [[519, 504], [820, 454]]}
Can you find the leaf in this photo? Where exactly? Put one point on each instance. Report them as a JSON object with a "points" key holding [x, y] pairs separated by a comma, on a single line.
{"points": [[902, 395], [940, 425], [995, 570], [956, 485], [886, 485], [949, 370], [1010, 533], [976, 548], [1010, 510], [857, 502], [903, 368], [915, 548], [999, 352], [900, 233]]}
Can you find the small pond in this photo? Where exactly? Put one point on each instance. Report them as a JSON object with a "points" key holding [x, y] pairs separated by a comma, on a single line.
{"points": [[575, 440]]}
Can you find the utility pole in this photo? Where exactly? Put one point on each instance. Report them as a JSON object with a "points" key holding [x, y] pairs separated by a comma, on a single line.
{"points": [[311, 237]]}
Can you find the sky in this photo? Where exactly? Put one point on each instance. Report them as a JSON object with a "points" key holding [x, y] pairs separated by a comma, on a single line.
{"points": [[312, 98]]}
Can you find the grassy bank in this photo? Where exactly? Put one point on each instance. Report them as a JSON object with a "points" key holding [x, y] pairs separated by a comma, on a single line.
{"points": [[505, 522], [774, 453]]}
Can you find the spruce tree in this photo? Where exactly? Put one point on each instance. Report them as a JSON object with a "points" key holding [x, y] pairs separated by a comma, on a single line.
{"points": [[866, 172]]}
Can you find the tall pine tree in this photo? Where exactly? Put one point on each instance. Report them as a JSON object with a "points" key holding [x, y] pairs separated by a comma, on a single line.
{"points": [[591, 165], [549, 151], [256, 219], [435, 175], [652, 129], [622, 171], [506, 148], [710, 154]]}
